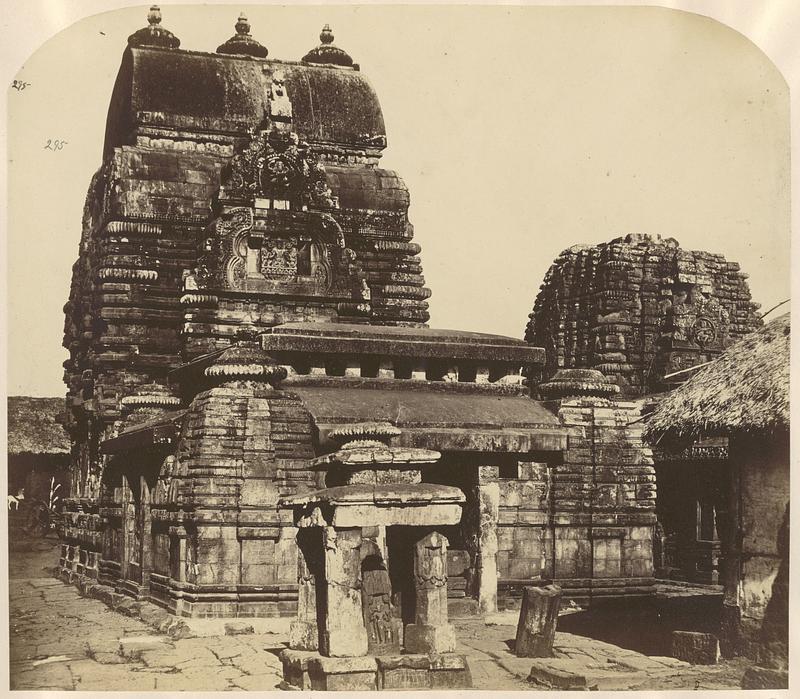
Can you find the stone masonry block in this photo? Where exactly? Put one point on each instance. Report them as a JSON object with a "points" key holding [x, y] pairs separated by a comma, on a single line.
{"points": [[695, 647]]}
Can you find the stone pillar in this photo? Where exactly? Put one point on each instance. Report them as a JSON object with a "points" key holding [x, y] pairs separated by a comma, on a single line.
{"points": [[304, 631], [344, 633], [488, 496], [537, 621], [430, 632]]}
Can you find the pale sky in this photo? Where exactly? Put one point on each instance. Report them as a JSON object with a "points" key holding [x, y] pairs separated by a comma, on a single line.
{"points": [[520, 131]]}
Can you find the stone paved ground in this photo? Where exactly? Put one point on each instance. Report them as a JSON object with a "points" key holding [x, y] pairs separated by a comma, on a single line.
{"points": [[602, 665], [61, 640]]}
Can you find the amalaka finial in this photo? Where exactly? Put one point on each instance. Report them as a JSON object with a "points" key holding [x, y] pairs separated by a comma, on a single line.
{"points": [[242, 43], [327, 53], [154, 34]]}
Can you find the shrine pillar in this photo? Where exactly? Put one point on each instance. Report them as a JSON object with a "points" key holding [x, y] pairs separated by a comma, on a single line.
{"points": [[430, 632], [344, 633]]}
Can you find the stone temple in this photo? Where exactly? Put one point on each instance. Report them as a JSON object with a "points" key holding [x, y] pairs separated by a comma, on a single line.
{"points": [[263, 424]]}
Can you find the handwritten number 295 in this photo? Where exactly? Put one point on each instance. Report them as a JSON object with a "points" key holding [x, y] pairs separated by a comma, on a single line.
{"points": [[55, 144]]}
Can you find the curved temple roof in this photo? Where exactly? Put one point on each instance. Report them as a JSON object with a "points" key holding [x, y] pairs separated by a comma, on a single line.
{"points": [[228, 94]]}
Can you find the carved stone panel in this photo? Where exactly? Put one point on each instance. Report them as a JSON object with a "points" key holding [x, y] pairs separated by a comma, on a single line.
{"points": [[381, 617]]}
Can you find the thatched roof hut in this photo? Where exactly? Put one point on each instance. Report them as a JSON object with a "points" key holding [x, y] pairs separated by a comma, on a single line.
{"points": [[745, 390], [33, 426]]}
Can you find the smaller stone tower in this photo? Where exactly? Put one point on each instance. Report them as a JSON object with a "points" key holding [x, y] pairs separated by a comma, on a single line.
{"points": [[639, 309]]}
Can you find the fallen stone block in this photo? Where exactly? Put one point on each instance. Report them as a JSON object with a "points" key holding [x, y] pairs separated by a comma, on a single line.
{"points": [[765, 678], [129, 607], [449, 671], [404, 672], [238, 628], [695, 647], [295, 668], [176, 628], [106, 658]]}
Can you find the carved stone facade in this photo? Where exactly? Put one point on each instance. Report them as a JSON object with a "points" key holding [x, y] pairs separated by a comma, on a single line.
{"points": [[638, 309], [248, 292], [645, 313]]}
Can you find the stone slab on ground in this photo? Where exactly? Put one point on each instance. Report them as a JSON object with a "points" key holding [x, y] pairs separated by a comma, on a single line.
{"points": [[765, 678], [695, 647], [61, 640]]}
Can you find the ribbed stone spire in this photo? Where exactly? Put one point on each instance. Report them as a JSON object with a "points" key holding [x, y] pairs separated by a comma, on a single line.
{"points": [[242, 43], [154, 34]]}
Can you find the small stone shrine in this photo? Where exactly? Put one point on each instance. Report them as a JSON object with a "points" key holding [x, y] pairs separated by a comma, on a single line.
{"points": [[373, 570]]}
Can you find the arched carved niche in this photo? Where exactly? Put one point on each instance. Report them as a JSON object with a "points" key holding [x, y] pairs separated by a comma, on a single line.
{"points": [[279, 252]]}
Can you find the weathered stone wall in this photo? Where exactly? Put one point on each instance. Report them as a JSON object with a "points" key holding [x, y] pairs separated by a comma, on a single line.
{"points": [[603, 498], [638, 308], [524, 539], [242, 447], [763, 492]]}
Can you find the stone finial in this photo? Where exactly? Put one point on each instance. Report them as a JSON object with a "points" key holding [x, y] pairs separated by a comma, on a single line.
{"points": [[148, 400], [245, 360], [577, 382], [242, 43], [327, 53], [326, 35], [362, 434], [154, 34]]}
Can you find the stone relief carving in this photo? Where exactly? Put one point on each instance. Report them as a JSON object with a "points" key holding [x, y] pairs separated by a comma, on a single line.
{"points": [[276, 165], [280, 106], [278, 258]]}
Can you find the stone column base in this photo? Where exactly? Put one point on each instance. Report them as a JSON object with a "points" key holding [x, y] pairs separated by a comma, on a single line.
{"points": [[346, 643], [304, 635], [422, 638], [307, 670], [295, 668]]}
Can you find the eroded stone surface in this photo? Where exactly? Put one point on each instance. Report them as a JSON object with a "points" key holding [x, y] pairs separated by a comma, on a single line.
{"points": [[694, 647]]}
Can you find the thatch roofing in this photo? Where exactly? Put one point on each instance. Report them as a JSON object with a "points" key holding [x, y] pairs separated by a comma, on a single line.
{"points": [[746, 389], [32, 426]]}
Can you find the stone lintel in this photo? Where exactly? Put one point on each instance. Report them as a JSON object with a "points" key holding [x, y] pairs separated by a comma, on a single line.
{"points": [[424, 343], [524, 441], [393, 493], [423, 514]]}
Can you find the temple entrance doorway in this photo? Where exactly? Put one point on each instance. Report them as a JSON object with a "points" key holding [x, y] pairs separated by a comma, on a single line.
{"points": [[136, 525], [460, 470]]}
